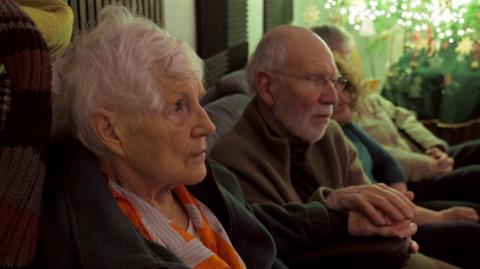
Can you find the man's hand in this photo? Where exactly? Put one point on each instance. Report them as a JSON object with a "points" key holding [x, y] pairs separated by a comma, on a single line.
{"points": [[377, 201], [440, 163], [360, 225]]}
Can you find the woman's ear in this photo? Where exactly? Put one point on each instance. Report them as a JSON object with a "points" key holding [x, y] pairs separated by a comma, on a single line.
{"points": [[107, 127], [263, 85]]}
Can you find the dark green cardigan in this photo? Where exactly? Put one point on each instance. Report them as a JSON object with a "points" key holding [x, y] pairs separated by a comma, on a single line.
{"points": [[83, 227]]}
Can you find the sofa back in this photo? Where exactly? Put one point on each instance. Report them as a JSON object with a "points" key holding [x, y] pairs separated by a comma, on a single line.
{"points": [[226, 102]]}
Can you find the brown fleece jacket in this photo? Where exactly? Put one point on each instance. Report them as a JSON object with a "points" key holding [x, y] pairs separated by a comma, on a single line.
{"points": [[257, 149]]}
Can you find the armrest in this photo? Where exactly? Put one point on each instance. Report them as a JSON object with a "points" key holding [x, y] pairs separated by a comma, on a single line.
{"points": [[360, 252]]}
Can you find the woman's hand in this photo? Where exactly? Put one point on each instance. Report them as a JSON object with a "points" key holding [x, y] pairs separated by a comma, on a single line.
{"points": [[413, 246], [361, 225], [440, 162], [458, 213], [427, 216], [400, 186]]}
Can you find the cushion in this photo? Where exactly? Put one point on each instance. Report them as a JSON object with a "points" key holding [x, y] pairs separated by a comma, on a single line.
{"points": [[235, 82], [224, 113]]}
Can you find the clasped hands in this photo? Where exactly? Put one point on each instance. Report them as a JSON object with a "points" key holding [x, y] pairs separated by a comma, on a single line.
{"points": [[440, 163], [376, 209]]}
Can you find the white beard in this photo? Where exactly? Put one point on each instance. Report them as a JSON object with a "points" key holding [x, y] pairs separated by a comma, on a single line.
{"points": [[293, 118]]}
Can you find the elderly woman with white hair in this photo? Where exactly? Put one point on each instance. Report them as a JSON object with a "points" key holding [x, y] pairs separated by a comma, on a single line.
{"points": [[123, 196]]}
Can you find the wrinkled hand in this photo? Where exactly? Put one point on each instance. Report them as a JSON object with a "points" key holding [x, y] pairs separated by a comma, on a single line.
{"points": [[377, 201], [400, 186], [458, 213], [360, 225], [440, 163]]}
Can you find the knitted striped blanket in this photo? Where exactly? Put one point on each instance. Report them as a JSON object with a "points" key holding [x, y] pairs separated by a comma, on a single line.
{"points": [[25, 119]]}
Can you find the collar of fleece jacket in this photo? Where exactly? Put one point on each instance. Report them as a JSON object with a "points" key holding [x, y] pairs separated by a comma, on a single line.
{"points": [[25, 119]]}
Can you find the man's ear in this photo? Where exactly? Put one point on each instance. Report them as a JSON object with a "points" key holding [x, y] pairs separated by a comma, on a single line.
{"points": [[263, 83], [108, 130]]}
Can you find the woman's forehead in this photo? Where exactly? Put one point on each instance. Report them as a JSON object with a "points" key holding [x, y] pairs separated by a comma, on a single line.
{"points": [[184, 86]]}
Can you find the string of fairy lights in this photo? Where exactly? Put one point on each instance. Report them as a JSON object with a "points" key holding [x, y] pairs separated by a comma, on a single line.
{"points": [[449, 20], [427, 24]]}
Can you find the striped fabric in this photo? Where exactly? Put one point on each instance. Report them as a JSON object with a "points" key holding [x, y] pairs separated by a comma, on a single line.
{"points": [[210, 247], [25, 117]]}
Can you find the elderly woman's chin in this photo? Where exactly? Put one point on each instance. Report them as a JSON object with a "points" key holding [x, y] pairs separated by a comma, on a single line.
{"points": [[196, 170]]}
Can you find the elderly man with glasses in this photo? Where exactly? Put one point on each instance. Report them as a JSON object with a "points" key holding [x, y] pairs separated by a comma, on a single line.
{"points": [[285, 149]]}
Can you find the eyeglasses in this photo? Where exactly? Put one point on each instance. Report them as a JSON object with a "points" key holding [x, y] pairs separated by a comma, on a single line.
{"points": [[320, 81]]}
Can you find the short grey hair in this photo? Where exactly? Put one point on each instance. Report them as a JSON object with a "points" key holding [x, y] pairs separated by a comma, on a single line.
{"points": [[333, 35], [268, 56], [111, 67]]}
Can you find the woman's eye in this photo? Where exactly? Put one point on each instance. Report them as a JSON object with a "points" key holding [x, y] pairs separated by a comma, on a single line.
{"points": [[178, 106]]}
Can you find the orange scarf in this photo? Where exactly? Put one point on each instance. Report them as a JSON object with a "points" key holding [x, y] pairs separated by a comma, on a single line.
{"points": [[213, 250]]}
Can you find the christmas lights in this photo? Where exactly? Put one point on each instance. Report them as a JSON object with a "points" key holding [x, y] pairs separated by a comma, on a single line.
{"points": [[449, 19]]}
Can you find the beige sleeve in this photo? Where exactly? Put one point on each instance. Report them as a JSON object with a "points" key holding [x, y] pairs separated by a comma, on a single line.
{"points": [[407, 121], [415, 165]]}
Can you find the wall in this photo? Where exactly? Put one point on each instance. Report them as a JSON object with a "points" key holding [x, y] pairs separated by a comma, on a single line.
{"points": [[179, 20], [255, 24]]}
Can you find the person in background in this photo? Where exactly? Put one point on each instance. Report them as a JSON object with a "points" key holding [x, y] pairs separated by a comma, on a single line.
{"points": [[435, 170], [439, 232], [286, 150], [33, 33], [338, 38]]}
